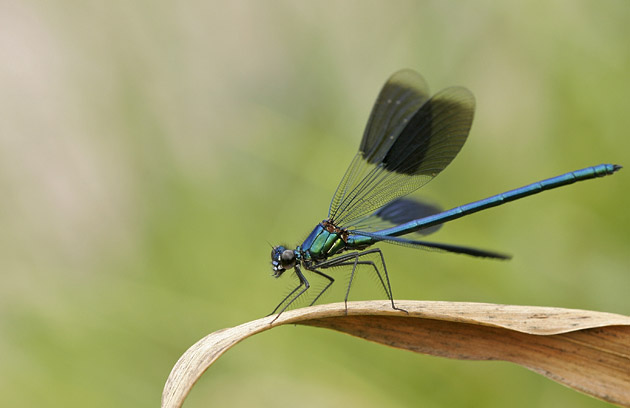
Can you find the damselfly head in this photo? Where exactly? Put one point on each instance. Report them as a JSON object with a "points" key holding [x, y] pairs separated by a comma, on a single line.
{"points": [[281, 260]]}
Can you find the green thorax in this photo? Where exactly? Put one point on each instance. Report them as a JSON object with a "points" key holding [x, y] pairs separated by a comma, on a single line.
{"points": [[325, 241]]}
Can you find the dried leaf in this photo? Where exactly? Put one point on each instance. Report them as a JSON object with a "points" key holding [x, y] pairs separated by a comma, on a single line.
{"points": [[585, 350]]}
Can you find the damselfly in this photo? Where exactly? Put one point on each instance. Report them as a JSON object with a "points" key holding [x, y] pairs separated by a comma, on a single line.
{"points": [[409, 139]]}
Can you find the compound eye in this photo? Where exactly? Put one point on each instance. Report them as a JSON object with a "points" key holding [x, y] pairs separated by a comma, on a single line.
{"points": [[287, 259]]}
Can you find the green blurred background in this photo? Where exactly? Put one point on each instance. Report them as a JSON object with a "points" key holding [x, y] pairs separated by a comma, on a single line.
{"points": [[151, 151]]}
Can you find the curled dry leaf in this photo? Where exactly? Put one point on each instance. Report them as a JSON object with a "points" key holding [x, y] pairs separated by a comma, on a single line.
{"points": [[585, 350]]}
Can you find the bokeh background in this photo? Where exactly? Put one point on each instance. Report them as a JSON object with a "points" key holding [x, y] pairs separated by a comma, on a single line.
{"points": [[151, 151]]}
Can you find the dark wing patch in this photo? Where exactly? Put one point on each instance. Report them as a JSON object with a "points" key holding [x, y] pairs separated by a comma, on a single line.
{"points": [[401, 97], [398, 212], [402, 148]]}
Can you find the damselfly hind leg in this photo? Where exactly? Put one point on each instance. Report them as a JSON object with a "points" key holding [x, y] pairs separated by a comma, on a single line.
{"points": [[354, 259]]}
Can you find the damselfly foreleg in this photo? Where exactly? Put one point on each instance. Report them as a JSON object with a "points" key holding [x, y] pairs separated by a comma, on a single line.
{"points": [[303, 283]]}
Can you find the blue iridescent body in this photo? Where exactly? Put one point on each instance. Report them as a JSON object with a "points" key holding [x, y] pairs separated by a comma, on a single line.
{"points": [[409, 139]]}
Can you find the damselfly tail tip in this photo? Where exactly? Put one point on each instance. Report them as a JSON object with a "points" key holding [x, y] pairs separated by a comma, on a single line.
{"points": [[617, 167]]}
